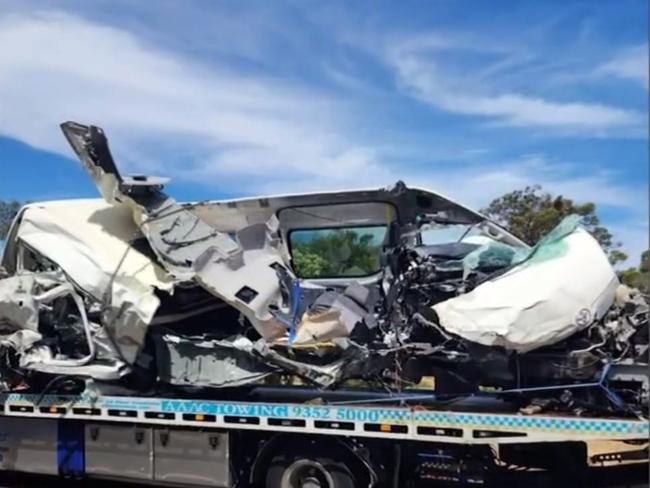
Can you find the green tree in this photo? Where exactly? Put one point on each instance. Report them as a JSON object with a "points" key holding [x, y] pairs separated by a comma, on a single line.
{"points": [[308, 263], [8, 210], [336, 253], [638, 277], [532, 212]]}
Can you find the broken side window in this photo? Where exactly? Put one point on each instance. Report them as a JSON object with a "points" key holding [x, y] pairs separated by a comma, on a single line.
{"points": [[337, 251], [31, 260]]}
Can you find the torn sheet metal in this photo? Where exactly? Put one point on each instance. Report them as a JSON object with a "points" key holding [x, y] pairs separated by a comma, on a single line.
{"points": [[240, 273], [18, 306], [22, 297], [197, 361], [91, 240], [562, 286], [41, 299], [92, 243], [249, 282], [41, 359], [324, 376]]}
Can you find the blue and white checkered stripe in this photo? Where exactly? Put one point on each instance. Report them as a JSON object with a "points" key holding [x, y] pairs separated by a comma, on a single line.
{"points": [[543, 424], [396, 416]]}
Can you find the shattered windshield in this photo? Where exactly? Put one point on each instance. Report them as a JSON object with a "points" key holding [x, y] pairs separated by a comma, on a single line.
{"points": [[445, 233], [336, 252]]}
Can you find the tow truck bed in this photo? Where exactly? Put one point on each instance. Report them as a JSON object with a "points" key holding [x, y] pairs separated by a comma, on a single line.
{"points": [[362, 421]]}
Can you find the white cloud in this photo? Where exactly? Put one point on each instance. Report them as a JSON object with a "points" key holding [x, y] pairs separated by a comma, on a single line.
{"points": [[630, 64], [168, 113], [420, 71], [477, 185]]}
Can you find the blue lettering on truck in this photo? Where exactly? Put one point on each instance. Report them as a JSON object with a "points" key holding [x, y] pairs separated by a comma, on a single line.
{"points": [[287, 411], [238, 409]]}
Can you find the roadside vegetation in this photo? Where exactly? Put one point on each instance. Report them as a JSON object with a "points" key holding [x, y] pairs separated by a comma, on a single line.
{"points": [[8, 210]]}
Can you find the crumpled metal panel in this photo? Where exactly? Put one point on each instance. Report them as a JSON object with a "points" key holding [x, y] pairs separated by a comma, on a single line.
{"points": [[550, 295], [90, 241], [29, 295], [195, 361], [185, 245], [18, 307]]}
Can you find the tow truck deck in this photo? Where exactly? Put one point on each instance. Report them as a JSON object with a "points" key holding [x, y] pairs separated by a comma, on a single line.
{"points": [[362, 421], [195, 442]]}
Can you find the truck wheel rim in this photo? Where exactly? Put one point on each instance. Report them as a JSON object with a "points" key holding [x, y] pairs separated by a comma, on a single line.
{"points": [[306, 473]]}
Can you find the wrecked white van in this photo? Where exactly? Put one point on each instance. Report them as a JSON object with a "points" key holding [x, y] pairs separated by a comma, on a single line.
{"points": [[393, 289]]}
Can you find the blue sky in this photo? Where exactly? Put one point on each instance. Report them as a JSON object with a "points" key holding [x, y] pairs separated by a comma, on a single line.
{"points": [[469, 98]]}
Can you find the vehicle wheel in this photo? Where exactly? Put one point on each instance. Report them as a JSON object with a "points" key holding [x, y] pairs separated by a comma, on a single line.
{"points": [[308, 472]]}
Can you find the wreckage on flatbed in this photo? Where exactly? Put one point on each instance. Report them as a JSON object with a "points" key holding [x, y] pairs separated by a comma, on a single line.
{"points": [[395, 294]]}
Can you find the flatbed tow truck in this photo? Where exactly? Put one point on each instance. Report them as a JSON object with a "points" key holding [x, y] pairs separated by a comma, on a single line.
{"points": [[194, 442]]}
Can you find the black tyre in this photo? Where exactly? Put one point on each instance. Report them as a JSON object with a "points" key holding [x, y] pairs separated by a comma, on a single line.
{"points": [[308, 471]]}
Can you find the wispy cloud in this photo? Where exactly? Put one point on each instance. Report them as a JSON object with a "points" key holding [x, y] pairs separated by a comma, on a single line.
{"points": [[628, 64], [327, 116], [422, 69], [477, 185], [207, 123], [169, 113]]}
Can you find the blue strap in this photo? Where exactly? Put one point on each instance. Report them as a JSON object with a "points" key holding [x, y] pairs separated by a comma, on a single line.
{"points": [[295, 309]]}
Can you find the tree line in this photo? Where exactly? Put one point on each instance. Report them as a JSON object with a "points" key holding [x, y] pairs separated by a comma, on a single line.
{"points": [[8, 210]]}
